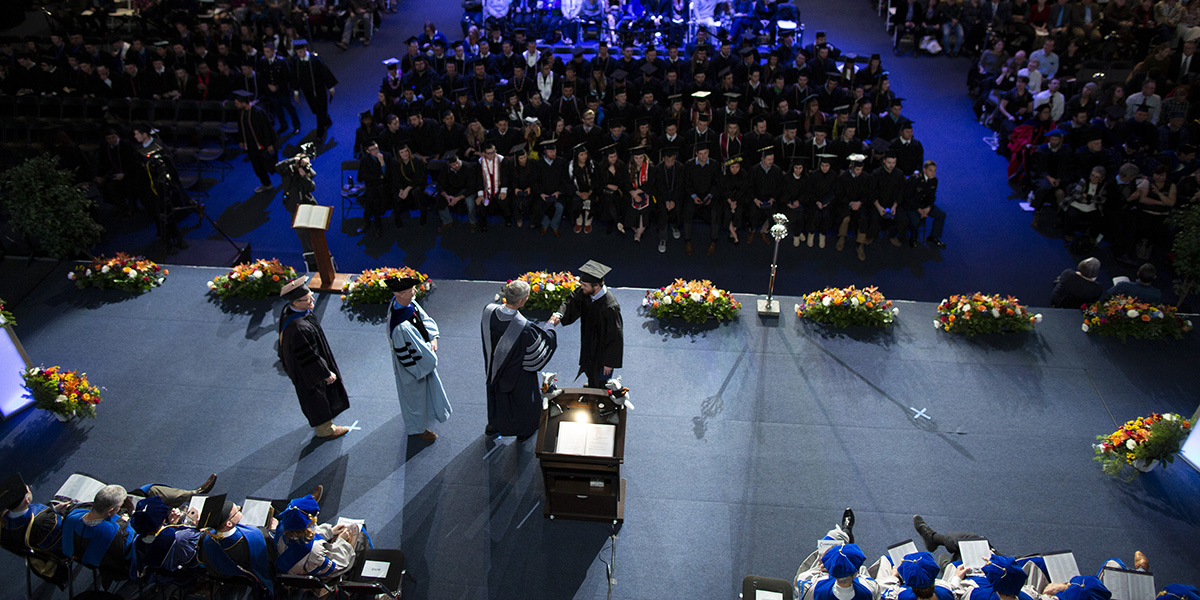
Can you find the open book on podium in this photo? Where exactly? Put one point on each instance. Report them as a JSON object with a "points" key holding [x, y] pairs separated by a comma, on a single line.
{"points": [[314, 219]]}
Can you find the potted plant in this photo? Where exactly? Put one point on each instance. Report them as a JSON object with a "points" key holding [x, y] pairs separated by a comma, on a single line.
{"points": [[1142, 444], [547, 291], [47, 208], [694, 301], [66, 394], [848, 307]]}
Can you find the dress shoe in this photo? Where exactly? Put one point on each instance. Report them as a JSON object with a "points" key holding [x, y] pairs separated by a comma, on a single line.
{"points": [[1139, 561], [443, 227], [712, 249], [557, 233], [338, 431], [263, 188], [821, 241], [936, 243], [675, 232], [490, 431], [208, 484], [895, 242], [621, 228], [587, 228], [687, 247], [317, 493], [544, 230], [662, 245], [750, 238], [862, 252], [847, 523], [926, 532], [810, 240], [763, 235], [508, 223], [427, 436], [578, 228], [796, 240], [341, 46], [841, 243]]}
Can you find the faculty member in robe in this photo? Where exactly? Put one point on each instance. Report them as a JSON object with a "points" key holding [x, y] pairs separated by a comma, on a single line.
{"points": [[25, 524], [602, 340], [308, 361], [841, 568], [514, 349], [305, 548], [413, 335], [232, 549], [166, 544]]}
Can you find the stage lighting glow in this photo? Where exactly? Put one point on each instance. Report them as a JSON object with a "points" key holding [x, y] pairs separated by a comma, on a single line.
{"points": [[12, 364]]}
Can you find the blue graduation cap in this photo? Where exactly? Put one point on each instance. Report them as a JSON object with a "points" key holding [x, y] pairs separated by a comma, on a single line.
{"points": [[1004, 575], [918, 570], [1085, 587], [845, 560], [299, 514]]}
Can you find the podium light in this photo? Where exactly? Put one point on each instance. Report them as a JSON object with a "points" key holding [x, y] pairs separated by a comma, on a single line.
{"points": [[769, 307]]}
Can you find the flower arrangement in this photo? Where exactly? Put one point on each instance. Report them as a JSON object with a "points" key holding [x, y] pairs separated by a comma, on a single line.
{"points": [[6, 316], [845, 307], [259, 279], [695, 301], [982, 313], [1125, 317], [65, 393], [123, 272], [1140, 442], [370, 288], [547, 291]]}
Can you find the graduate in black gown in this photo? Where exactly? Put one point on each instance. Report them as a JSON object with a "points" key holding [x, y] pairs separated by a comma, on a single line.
{"points": [[308, 361], [602, 340], [514, 349]]}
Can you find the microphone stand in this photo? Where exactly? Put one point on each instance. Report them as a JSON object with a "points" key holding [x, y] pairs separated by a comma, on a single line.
{"points": [[769, 307]]}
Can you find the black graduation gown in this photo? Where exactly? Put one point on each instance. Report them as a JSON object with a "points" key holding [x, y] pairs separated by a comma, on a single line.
{"points": [[514, 398], [308, 360], [602, 340]]}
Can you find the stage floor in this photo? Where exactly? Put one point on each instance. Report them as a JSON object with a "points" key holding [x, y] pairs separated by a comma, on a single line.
{"points": [[747, 441]]}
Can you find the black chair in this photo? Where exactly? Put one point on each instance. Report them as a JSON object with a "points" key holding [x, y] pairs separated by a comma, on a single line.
{"points": [[307, 583], [236, 584], [356, 584], [350, 191], [212, 112], [27, 106], [73, 107], [211, 149], [119, 110], [60, 563], [164, 113], [50, 107], [8, 106], [141, 110]]}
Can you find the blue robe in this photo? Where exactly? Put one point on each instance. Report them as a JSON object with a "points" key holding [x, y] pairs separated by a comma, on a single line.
{"points": [[422, 398], [241, 553], [107, 544], [823, 590], [173, 550], [940, 592], [514, 349]]}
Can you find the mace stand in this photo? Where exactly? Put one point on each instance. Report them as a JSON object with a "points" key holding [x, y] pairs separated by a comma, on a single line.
{"points": [[769, 306]]}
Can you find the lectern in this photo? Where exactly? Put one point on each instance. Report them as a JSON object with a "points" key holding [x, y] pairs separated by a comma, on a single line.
{"points": [[581, 451], [315, 219]]}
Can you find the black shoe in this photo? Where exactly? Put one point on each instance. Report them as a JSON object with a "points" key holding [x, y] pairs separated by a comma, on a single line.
{"points": [[848, 524], [936, 243], [927, 534], [490, 431]]}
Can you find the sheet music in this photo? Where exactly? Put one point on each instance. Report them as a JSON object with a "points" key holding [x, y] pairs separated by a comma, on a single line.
{"points": [[376, 569], [601, 440], [1128, 585], [974, 553], [80, 488], [897, 552], [767, 595], [1061, 566], [254, 512]]}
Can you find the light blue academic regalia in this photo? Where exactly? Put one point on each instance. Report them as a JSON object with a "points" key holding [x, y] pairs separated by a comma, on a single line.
{"points": [[422, 397]]}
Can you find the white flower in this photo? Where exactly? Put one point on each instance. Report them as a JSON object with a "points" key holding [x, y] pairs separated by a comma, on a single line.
{"points": [[796, 307], [937, 324], [1188, 322], [497, 298], [550, 287], [854, 301], [1085, 327], [1132, 314], [132, 273], [87, 273], [697, 297], [212, 285], [3, 320], [1130, 444], [60, 398], [645, 302], [71, 276], [995, 312], [1157, 314], [896, 310], [35, 371], [1037, 318], [944, 301], [666, 300], [1169, 417], [256, 274], [105, 269], [350, 287], [826, 301]]}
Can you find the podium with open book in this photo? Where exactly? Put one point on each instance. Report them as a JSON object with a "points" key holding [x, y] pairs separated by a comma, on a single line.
{"points": [[581, 451], [314, 219]]}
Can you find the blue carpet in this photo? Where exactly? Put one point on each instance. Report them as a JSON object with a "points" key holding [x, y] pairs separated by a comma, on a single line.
{"points": [[990, 245], [747, 442]]}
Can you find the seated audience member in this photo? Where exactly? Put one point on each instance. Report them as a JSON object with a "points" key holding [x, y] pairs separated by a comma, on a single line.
{"points": [[917, 204], [1141, 290], [232, 549], [1082, 209], [306, 548], [1077, 287], [839, 567], [915, 578]]}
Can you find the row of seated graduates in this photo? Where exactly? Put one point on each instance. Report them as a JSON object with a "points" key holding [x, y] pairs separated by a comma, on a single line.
{"points": [[597, 113], [150, 536]]}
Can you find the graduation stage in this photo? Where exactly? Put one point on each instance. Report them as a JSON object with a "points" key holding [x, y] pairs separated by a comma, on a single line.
{"points": [[747, 441]]}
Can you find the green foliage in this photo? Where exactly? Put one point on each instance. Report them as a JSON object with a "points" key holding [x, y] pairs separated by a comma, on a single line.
{"points": [[1124, 317], [848, 307], [256, 280], [47, 208], [1187, 251], [694, 301]]}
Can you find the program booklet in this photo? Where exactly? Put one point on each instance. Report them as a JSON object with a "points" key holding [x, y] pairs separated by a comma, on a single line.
{"points": [[897, 552], [1128, 585], [79, 487]]}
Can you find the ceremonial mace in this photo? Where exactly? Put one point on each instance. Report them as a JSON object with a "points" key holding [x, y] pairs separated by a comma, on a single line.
{"points": [[769, 307]]}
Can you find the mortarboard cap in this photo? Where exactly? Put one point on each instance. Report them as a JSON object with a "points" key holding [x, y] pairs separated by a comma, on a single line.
{"points": [[879, 145], [766, 151], [1142, 108], [790, 125], [295, 289], [149, 515], [732, 96], [299, 514], [856, 159], [1004, 575], [516, 151], [799, 161], [724, 72], [12, 492], [675, 97], [549, 144], [391, 63], [668, 151], [701, 95], [733, 160], [300, 43], [580, 147], [906, 124], [593, 272], [918, 570], [1186, 149], [619, 75], [450, 156], [399, 284], [212, 514], [1179, 591], [244, 95], [843, 109], [1056, 133], [412, 39], [577, 51], [703, 117], [897, 102], [438, 43], [638, 150], [614, 123], [842, 561], [649, 69], [609, 149], [826, 158], [1085, 587], [701, 146], [1114, 112]]}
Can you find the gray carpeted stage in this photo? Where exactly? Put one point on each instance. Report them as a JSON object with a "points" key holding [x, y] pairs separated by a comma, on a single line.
{"points": [[747, 442]]}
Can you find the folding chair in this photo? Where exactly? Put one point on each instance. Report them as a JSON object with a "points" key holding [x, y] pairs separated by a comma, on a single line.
{"points": [[211, 150], [187, 112], [73, 107], [60, 562], [390, 583], [306, 583], [141, 110], [350, 191]]}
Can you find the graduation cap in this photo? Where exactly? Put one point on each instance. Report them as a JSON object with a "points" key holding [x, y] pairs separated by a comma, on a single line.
{"points": [[299, 514], [641, 121], [300, 43], [399, 284], [766, 151], [879, 145], [638, 150], [668, 151], [842, 110], [1004, 575], [826, 158], [1142, 108], [789, 125], [1056, 132], [856, 158], [748, 51], [614, 123], [703, 117], [701, 146], [12, 492], [149, 515], [451, 156], [906, 124], [675, 97], [593, 272], [733, 160], [577, 51], [295, 289], [163, 43], [799, 161], [649, 69], [517, 151], [578, 148], [609, 149], [439, 43], [732, 96], [391, 63], [918, 570], [461, 92], [724, 72], [701, 95], [549, 144], [897, 102], [619, 75], [212, 514], [1114, 112], [842, 561], [531, 120], [243, 95], [412, 39], [822, 128]]}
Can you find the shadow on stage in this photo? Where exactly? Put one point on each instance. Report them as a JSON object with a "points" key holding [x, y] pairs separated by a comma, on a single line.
{"points": [[677, 328], [41, 444], [372, 314]]}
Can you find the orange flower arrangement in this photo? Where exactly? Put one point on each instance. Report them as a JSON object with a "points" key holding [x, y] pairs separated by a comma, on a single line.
{"points": [[993, 314], [1125, 317], [695, 301], [262, 278], [1142, 440], [123, 272], [63, 392], [370, 287]]}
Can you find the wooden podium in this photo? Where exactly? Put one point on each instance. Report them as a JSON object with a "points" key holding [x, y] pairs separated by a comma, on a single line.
{"points": [[579, 486], [315, 218]]}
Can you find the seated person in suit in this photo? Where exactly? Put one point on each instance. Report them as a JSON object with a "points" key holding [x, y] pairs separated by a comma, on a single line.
{"points": [[1141, 290], [1074, 288], [232, 549], [306, 548]]}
